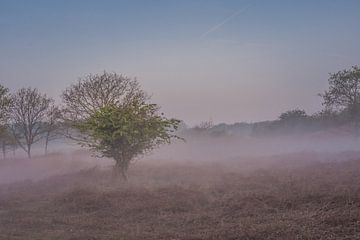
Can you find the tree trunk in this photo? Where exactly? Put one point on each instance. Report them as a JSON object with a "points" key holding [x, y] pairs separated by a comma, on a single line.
{"points": [[14, 150], [357, 127], [47, 142], [124, 174], [120, 169], [46, 146], [3, 150], [119, 172], [29, 152]]}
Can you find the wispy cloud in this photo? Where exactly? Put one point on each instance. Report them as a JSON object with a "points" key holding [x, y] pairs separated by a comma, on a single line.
{"points": [[219, 25]]}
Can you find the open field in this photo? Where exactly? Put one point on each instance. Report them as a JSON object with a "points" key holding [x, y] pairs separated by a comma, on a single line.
{"points": [[279, 197], [179, 120]]}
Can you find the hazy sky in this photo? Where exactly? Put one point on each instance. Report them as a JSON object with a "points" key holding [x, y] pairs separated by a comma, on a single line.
{"points": [[225, 60]]}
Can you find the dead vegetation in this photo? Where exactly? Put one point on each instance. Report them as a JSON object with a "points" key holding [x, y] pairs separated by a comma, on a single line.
{"points": [[282, 199]]}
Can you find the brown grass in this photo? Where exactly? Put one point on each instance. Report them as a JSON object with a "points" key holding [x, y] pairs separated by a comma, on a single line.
{"points": [[282, 198]]}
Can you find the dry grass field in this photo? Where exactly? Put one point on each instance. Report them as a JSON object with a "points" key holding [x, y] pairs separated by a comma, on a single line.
{"points": [[298, 196]]}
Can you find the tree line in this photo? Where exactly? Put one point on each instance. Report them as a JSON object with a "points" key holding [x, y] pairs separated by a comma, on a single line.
{"points": [[108, 113], [112, 116], [341, 107]]}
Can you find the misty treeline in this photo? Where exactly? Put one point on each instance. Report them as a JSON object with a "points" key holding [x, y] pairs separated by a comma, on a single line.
{"points": [[107, 113], [341, 109], [113, 117]]}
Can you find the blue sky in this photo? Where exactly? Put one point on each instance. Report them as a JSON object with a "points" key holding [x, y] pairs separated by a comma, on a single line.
{"points": [[225, 60]]}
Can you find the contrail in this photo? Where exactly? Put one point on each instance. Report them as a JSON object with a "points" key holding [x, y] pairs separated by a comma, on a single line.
{"points": [[217, 26]]}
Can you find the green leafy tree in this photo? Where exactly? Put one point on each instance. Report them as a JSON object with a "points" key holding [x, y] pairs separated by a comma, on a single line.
{"points": [[344, 93], [109, 114], [123, 133]]}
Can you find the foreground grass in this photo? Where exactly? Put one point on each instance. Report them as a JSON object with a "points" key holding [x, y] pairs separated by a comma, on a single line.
{"points": [[277, 200]]}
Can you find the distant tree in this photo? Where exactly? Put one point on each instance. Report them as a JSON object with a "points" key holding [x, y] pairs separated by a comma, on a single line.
{"points": [[290, 122], [204, 126], [5, 104], [7, 141], [329, 115], [108, 113], [344, 93], [28, 114], [295, 114], [328, 118]]}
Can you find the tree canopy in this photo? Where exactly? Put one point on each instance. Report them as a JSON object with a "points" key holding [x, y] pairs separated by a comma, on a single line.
{"points": [[123, 133], [344, 92], [95, 91]]}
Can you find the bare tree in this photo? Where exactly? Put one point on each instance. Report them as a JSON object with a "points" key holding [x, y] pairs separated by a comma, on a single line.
{"points": [[205, 125], [94, 91], [99, 90], [29, 111]]}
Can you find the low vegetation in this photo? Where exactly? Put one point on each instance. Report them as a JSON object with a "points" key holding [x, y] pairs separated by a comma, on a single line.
{"points": [[273, 198]]}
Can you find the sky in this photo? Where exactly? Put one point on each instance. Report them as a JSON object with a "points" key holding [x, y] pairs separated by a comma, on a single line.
{"points": [[225, 61]]}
